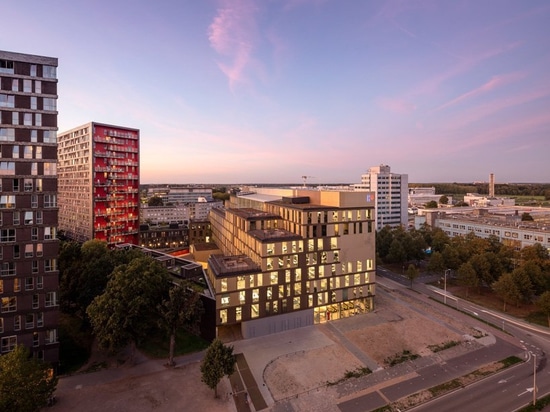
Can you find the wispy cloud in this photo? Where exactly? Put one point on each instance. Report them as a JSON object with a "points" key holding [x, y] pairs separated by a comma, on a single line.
{"points": [[397, 105], [232, 34], [494, 83]]}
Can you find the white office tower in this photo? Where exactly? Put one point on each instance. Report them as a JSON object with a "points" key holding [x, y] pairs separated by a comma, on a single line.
{"points": [[391, 191]]}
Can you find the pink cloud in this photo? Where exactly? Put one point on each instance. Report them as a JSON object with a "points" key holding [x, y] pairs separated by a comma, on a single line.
{"points": [[397, 105], [495, 82], [232, 34]]}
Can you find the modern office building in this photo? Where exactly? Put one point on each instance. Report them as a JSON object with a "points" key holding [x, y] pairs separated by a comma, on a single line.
{"points": [[29, 246], [99, 183], [391, 191], [297, 258]]}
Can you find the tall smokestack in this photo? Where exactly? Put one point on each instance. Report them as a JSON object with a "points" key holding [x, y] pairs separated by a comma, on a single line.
{"points": [[492, 185]]}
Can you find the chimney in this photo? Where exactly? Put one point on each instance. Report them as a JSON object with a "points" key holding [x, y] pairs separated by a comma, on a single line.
{"points": [[492, 185]]}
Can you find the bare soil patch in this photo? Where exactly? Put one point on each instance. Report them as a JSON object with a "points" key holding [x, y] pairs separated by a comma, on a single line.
{"points": [[392, 328]]}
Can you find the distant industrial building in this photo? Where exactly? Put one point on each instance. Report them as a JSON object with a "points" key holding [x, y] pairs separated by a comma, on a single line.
{"points": [[292, 258], [99, 183], [419, 196], [29, 248], [391, 194]]}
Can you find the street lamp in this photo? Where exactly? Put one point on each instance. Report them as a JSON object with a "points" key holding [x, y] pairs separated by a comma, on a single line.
{"points": [[445, 286], [534, 379]]}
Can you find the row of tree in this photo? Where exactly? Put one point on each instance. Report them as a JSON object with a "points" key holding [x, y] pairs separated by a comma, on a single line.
{"points": [[504, 189], [482, 263]]}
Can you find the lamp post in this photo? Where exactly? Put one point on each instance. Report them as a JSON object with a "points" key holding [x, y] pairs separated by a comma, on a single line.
{"points": [[534, 379], [445, 286]]}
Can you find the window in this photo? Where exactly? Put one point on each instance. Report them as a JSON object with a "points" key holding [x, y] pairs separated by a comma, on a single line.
{"points": [[39, 217], [49, 72], [16, 252], [16, 285], [38, 152], [34, 101], [50, 201], [7, 100], [35, 269], [38, 119], [8, 269], [29, 283], [50, 265], [34, 233], [7, 168], [35, 339], [8, 343], [16, 219], [7, 135], [49, 233], [15, 118], [28, 218], [33, 70], [37, 86], [34, 136], [38, 184], [17, 322], [34, 168], [50, 136], [50, 168], [9, 304], [15, 85], [27, 86], [225, 300], [51, 336], [51, 299], [1, 288], [7, 235], [27, 185], [29, 250], [34, 201], [27, 119], [35, 301], [39, 249], [27, 152], [39, 319], [29, 321], [49, 104], [39, 280], [1, 325]]}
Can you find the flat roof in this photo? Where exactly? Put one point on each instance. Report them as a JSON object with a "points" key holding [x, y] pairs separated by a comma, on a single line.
{"points": [[232, 265]]}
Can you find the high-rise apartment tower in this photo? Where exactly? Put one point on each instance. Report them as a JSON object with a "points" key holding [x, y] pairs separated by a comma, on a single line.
{"points": [[28, 205], [99, 183]]}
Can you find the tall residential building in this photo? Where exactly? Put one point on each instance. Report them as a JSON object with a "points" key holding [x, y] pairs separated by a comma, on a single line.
{"points": [[294, 258], [99, 183], [29, 246], [391, 191]]}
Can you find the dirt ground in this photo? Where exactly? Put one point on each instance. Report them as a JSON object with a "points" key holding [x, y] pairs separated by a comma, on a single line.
{"points": [[393, 327]]}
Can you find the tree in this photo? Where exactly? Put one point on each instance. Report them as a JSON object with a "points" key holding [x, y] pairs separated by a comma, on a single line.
{"points": [[436, 263], [526, 217], [543, 304], [467, 277], [182, 308], [412, 273], [507, 290], [432, 204], [26, 384], [218, 362], [126, 311], [444, 200], [397, 253], [155, 201]]}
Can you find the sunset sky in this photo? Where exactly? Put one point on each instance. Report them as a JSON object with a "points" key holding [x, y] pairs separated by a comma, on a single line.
{"points": [[266, 91]]}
